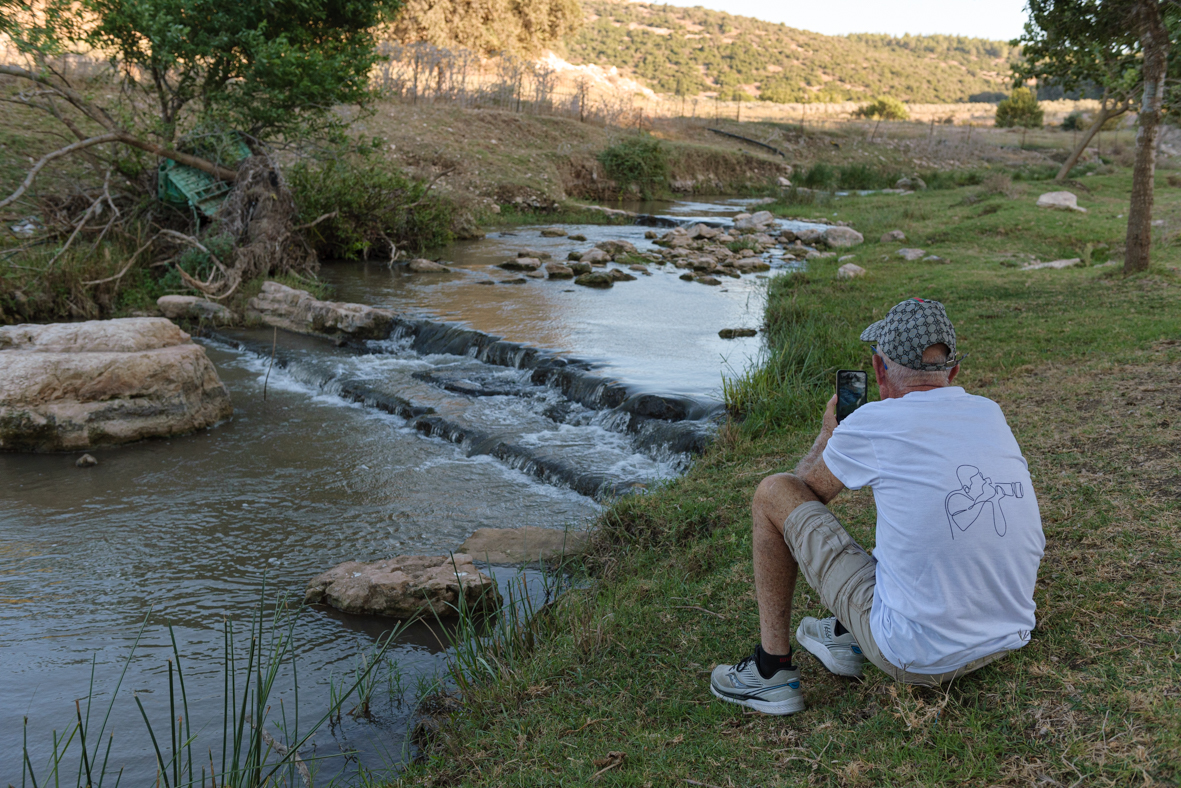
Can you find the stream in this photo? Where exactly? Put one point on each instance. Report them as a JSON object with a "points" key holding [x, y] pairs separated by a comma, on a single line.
{"points": [[491, 405]]}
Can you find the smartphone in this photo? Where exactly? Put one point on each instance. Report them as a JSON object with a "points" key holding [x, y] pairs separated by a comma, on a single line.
{"points": [[852, 391]]}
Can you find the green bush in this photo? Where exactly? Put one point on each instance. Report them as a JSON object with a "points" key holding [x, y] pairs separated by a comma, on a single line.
{"points": [[862, 176], [640, 162], [1074, 122], [1019, 109], [820, 176], [373, 206], [885, 108]]}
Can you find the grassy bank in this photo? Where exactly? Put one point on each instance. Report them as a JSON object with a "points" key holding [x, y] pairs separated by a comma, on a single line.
{"points": [[1086, 365]]}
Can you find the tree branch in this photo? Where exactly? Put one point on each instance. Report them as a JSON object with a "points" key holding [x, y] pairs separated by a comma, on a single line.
{"points": [[57, 154]]}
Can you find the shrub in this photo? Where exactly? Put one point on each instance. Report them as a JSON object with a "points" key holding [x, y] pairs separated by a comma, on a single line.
{"points": [[885, 108], [820, 176], [374, 206], [640, 162], [1019, 109], [862, 176], [1075, 121]]}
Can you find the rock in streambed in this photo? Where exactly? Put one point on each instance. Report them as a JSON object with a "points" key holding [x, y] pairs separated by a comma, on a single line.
{"points": [[522, 545], [406, 585], [74, 386], [298, 311]]}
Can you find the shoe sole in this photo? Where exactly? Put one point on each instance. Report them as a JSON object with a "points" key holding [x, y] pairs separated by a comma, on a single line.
{"points": [[821, 652], [777, 707]]}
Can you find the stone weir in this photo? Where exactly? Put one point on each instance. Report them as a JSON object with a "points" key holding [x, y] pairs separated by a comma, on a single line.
{"points": [[651, 435], [573, 377]]}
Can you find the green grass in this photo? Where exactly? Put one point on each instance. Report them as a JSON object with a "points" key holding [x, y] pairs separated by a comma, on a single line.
{"points": [[1085, 363]]}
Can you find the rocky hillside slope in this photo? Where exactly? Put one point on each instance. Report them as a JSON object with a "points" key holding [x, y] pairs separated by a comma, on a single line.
{"points": [[693, 51]]}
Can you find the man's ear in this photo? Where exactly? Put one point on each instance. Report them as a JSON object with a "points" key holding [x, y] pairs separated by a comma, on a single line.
{"points": [[879, 369], [952, 373]]}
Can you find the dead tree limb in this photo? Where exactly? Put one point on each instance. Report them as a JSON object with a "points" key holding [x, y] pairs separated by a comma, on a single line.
{"points": [[1106, 112], [126, 268], [57, 154], [102, 118]]}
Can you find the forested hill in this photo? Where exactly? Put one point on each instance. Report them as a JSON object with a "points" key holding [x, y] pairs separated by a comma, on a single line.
{"points": [[689, 51]]}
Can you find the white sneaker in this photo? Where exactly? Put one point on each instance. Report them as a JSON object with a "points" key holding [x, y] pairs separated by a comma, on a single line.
{"points": [[841, 655], [744, 685]]}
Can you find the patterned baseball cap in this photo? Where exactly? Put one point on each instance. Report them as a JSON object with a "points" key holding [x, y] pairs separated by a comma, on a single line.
{"points": [[910, 328]]}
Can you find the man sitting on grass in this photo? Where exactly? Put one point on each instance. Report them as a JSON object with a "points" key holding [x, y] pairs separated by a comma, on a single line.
{"points": [[949, 587]]}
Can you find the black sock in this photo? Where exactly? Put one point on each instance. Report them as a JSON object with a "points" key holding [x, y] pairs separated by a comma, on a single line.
{"points": [[839, 630], [770, 664]]}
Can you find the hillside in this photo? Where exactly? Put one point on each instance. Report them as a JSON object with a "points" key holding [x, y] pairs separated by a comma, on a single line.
{"points": [[693, 51]]}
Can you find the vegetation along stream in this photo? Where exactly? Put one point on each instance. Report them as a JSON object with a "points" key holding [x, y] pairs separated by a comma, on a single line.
{"points": [[400, 446]]}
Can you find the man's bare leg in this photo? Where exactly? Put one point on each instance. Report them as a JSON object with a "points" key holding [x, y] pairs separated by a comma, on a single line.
{"points": [[775, 567]]}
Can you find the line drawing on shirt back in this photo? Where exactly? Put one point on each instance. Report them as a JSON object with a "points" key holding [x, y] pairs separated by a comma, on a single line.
{"points": [[978, 498]]}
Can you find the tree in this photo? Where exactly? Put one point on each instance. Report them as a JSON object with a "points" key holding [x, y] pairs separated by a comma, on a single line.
{"points": [[1154, 42], [1076, 44], [885, 108], [184, 75], [1121, 46], [1019, 109]]}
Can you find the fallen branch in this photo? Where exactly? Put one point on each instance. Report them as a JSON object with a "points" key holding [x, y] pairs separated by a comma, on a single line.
{"points": [[126, 268], [81, 223], [313, 224], [283, 751], [57, 154]]}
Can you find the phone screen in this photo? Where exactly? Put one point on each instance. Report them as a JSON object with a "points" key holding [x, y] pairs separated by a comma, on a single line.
{"points": [[852, 391]]}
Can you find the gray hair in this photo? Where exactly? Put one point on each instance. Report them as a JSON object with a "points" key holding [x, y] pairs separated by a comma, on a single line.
{"points": [[905, 377]]}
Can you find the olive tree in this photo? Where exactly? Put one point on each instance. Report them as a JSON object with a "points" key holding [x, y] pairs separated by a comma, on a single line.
{"points": [[1122, 47], [270, 70]]}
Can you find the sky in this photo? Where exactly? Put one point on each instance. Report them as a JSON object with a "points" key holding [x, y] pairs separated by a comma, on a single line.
{"points": [[995, 19]]}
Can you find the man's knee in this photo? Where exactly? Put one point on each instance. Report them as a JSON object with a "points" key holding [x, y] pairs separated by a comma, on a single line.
{"points": [[777, 496]]}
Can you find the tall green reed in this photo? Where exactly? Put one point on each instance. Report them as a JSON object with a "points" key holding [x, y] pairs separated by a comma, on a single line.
{"points": [[250, 754]]}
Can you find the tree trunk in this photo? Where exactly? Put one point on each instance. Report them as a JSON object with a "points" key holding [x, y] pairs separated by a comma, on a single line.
{"points": [[1102, 117], [1154, 40]]}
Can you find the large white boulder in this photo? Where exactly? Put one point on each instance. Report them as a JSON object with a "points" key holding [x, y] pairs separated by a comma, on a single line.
{"points": [[1062, 201], [842, 237], [406, 586], [74, 386], [297, 310]]}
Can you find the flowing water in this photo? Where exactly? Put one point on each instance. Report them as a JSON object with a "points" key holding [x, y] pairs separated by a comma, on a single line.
{"points": [[491, 405]]}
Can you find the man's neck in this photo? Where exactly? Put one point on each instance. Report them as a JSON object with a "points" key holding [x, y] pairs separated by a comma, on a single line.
{"points": [[899, 393]]}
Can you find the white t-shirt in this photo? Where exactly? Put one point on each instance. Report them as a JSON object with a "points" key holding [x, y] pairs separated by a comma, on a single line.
{"points": [[959, 535]]}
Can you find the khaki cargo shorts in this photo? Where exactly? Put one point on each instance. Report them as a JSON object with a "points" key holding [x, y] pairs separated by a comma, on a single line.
{"points": [[844, 575]]}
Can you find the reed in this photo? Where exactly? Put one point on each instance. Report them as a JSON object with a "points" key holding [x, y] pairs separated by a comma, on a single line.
{"points": [[251, 755]]}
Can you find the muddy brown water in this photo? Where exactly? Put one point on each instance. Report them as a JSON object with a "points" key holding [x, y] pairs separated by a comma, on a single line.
{"points": [[188, 531]]}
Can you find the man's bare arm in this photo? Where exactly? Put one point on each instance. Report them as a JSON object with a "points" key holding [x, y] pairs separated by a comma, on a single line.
{"points": [[812, 470]]}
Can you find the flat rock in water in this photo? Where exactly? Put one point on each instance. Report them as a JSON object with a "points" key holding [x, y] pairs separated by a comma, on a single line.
{"points": [[534, 253], [842, 237], [595, 257], [73, 386], [612, 248], [559, 271], [595, 279], [405, 586], [423, 266], [553, 232], [297, 310], [808, 236], [1062, 201], [521, 264], [849, 271], [182, 307], [735, 333], [522, 545], [911, 254]]}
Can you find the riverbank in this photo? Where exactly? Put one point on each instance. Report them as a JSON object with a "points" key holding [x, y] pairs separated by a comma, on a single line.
{"points": [[1084, 362]]}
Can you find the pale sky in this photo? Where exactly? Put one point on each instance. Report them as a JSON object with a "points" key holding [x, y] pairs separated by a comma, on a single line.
{"points": [[995, 19]]}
